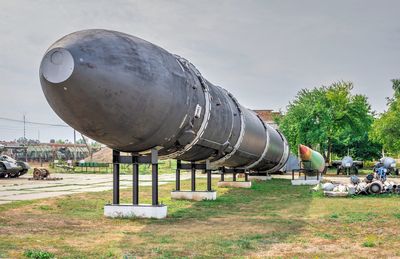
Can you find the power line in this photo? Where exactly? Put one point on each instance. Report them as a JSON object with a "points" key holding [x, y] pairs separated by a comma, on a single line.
{"points": [[34, 123]]}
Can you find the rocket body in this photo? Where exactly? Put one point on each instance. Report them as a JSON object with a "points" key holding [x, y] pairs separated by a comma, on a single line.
{"points": [[132, 96]]}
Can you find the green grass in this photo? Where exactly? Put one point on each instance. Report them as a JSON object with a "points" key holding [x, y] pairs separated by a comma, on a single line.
{"points": [[38, 254], [271, 219]]}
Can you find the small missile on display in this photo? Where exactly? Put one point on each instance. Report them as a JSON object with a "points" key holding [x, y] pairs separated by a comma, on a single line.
{"points": [[311, 159], [132, 96]]}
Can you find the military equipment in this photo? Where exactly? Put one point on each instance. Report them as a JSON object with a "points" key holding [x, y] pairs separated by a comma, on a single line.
{"points": [[9, 167], [311, 159], [134, 96], [348, 166], [43, 174], [387, 163]]}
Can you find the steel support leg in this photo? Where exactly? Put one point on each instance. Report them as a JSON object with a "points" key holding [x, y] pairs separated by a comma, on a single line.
{"points": [[135, 180], [154, 176], [116, 177], [193, 177], [246, 177], [208, 172], [178, 175], [234, 177]]}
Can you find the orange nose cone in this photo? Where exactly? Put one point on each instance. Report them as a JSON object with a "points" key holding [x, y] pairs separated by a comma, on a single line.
{"points": [[304, 152]]}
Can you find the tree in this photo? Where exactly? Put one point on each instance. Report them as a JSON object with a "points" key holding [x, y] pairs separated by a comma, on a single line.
{"points": [[326, 118], [385, 129]]}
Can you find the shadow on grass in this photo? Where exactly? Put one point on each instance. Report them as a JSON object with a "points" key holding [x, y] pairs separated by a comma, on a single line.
{"points": [[239, 222]]}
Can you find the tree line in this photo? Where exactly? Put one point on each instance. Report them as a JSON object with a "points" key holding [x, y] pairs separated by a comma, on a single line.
{"points": [[336, 122]]}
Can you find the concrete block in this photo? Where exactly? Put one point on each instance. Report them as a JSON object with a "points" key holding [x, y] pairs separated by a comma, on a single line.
{"points": [[237, 184], [305, 182], [195, 196], [135, 211], [335, 194], [310, 177], [260, 177]]}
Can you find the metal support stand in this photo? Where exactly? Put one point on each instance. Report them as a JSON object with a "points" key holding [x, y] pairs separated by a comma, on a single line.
{"points": [[116, 177], [209, 180], [135, 210], [178, 175], [193, 178], [309, 179], [135, 180], [154, 176], [209, 194], [234, 183]]}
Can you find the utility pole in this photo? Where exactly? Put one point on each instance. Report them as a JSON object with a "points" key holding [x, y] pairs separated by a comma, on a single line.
{"points": [[75, 155], [24, 129], [25, 142]]}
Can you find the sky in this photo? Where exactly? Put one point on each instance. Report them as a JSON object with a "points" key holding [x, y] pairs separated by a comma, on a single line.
{"points": [[263, 51]]}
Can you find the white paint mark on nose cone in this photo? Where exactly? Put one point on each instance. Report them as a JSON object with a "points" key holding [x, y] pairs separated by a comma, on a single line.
{"points": [[57, 65]]}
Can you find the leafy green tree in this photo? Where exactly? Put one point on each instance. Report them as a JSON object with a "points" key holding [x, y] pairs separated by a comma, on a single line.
{"points": [[326, 118], [386, 129]]}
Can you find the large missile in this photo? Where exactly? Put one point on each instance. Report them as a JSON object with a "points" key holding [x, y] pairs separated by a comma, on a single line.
{"points": [[311, 159], [132, 96]]}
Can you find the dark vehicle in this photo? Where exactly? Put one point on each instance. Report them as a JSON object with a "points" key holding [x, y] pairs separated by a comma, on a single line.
{"points": [[10, 168]]}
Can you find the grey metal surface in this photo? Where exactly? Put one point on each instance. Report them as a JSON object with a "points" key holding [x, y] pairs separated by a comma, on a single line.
{"points": [[388, 162], [134, 96], [347, 162]]}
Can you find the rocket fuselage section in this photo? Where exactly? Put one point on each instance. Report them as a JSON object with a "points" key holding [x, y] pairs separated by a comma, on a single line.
{"points": [[132, 95]]}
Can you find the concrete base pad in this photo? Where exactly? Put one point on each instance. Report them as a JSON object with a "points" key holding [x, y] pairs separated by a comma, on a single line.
{"points": [[260, 177], [336, 194], [305, 182], [310, 178], [234, 184], [195, 196], [135, 211]]}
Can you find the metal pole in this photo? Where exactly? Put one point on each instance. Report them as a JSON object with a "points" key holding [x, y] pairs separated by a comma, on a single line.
{"points": [[116, 176], [193, 177], [75, 155], [222, 175], [208, 172], [24, 129], [246, 177], [135, 180], [234, 176], [178, 175], [154, 176]]}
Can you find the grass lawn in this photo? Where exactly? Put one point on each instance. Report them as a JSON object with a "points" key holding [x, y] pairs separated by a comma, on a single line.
{"points": [[270, 219]]}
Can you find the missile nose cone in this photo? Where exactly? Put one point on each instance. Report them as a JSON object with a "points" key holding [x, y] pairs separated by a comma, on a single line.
{"points": [[115, 88], [57, 65], [304, 152]]}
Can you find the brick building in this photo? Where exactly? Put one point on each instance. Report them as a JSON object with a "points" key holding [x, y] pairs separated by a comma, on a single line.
{"points": [[268, 116]]}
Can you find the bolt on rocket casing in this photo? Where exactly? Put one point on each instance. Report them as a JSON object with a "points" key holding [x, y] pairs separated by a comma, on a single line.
{"points": [[132, 95]]}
